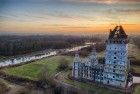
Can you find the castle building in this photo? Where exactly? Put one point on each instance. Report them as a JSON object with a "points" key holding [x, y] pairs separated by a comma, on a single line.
{"points": [[114, 71]]}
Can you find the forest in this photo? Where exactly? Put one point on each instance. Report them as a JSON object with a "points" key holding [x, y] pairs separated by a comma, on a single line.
{"points": [[17, 45]]}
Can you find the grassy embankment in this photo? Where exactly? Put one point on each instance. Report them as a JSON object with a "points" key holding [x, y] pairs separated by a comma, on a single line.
{"points": [[34, 69], [137, 90]]}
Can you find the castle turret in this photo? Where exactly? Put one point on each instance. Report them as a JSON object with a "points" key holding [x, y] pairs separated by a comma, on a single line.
{"points": [[93, 57], [116, 59], [76, 66]]}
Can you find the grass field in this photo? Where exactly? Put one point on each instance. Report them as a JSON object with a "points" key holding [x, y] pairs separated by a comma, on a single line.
{"points": [[136, 68], [137, 90], [34, 69], [134, 51]]}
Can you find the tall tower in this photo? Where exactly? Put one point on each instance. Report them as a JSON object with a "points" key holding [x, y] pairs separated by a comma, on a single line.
{"points": [[76, 66], [116, 59]]}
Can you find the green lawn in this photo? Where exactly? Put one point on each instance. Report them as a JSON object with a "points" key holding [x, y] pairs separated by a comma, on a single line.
{"points": [[137, 90], [136, 69], [134, 51], [34, 69]]}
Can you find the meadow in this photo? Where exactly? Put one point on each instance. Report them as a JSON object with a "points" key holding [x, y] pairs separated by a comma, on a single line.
{"points": [[34, 70]]}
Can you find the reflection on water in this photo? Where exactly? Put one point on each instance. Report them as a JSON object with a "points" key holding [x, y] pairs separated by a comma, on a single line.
{"points": [[23, 59]]}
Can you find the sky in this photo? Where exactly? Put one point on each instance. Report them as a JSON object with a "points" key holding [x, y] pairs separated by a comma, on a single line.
{"points": [[74, 17]]}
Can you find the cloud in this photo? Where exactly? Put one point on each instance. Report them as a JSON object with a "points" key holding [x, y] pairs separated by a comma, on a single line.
{"points": [[101, 1], [124, 11], [62, 14], [90, 0], [75, 1], [128, 10], [97, 1]]}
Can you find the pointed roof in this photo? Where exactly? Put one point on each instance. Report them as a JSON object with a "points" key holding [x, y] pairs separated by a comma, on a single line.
{"points": [[93, 56], [93, 53], [77, 58], [117, 33]]}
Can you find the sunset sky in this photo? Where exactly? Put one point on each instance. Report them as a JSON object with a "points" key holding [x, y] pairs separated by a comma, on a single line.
{"points": [[68, 16]]}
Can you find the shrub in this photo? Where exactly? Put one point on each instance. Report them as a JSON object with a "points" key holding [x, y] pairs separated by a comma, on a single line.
{"points": [[63, 65]]}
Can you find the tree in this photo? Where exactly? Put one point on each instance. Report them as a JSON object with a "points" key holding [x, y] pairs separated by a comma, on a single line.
{"points": [[63, 64], [46, 77]]}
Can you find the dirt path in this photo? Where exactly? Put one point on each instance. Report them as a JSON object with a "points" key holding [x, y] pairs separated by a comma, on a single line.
{"points": [[59, 78]]}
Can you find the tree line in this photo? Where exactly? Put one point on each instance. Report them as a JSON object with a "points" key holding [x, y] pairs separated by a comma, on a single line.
{"points": [[15, 44]]}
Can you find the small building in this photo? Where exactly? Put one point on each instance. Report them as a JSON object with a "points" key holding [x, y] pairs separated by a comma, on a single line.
{"points": [[115, 69]]}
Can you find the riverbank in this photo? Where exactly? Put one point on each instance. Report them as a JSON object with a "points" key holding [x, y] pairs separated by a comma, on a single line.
{"points": [[44, 54]]}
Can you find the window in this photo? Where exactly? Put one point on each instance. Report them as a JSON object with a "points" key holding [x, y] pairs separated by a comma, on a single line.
{"points": [[107, 82], [114, 57], [113, 76], [115, 53], [113, 70]]}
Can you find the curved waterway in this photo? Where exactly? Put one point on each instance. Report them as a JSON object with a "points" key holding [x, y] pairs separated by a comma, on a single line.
{"points": [[27, 58], [23, 59]]}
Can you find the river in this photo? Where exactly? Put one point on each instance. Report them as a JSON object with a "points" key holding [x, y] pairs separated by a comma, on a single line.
{"points": [[27, 58]]}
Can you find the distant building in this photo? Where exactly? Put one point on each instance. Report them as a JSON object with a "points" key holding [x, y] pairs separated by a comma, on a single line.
{"points": [[114, 71]]}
